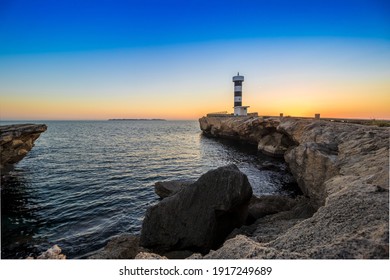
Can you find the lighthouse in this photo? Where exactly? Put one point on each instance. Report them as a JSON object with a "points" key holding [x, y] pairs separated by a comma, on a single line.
{"points": [[239, 110]]}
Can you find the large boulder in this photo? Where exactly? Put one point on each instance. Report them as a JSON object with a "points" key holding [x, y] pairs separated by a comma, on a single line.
{"points": [[200, 216]]}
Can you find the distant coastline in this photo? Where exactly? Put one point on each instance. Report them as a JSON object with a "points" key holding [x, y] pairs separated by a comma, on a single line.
{"points": [[137, 120]]}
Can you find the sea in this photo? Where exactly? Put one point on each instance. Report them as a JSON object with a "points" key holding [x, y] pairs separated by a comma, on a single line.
{"points": [[85, 182]]}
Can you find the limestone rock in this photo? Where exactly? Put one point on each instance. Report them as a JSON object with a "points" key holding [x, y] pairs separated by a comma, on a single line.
{"points": [[353, 223], [16, 141], [255, 130], [242, 247], [150, 256], [201, 215], [312, 164], [169, 188], [325, 149], [120, 247], [269, 227]]}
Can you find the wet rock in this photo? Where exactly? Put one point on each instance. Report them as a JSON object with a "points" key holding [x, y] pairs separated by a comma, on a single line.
{"points": [[200, 216]]}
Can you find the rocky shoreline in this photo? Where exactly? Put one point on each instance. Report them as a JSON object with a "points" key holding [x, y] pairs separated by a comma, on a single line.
{"points": [[342, 170]]}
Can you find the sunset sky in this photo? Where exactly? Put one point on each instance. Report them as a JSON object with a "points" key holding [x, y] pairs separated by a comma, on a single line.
{"points": [[175, 59]]}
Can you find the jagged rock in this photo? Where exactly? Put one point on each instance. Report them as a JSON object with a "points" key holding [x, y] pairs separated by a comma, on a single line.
{"points": [[120, 247], [150, 256], [168, 188], [274, 144], [52, 253], [17, 140], [201, 215]]}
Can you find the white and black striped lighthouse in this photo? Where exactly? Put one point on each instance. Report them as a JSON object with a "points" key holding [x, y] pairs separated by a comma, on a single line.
{"points": [[239, 110]]}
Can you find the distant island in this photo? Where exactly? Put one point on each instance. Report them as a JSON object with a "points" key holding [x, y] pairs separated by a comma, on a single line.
{"points": [[137, 120]]}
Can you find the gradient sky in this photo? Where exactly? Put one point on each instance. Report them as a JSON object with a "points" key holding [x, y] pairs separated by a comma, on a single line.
{"points": [[175, 59]]}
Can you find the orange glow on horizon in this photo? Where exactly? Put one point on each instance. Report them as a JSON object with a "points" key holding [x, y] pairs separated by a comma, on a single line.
{"points": [[349, 100]]}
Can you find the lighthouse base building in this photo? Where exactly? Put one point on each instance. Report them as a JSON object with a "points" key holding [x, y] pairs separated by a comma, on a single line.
{"points": [[241, 110]]}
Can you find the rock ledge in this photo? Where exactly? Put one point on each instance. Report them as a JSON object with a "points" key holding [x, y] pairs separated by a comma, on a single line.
{"points": [[17, 140]]}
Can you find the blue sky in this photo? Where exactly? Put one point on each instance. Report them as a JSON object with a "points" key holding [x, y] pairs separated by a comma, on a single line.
{"points": [[61, 26], [92, 57]]}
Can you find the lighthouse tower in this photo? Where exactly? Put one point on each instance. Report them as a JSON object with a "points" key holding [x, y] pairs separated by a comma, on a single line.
{"points": [[239, 110]]}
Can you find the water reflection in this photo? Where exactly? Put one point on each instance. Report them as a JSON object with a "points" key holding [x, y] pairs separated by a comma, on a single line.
{"points": [[19, 216]]}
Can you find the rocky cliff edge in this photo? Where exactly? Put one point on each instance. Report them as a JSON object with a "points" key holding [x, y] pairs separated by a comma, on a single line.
{"points": [[17, 140]]}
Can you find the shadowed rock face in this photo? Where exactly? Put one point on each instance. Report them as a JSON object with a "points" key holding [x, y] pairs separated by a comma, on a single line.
{"points": [[201, 215], [16, 141], [344, 170]]}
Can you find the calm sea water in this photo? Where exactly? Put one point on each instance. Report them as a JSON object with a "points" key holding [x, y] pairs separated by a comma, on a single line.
{"points": [[87, 181]]}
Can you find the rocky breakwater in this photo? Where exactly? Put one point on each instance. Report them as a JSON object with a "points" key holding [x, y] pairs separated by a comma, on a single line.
{"points": [[16, 141], [253, 130], [343, 169]]}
